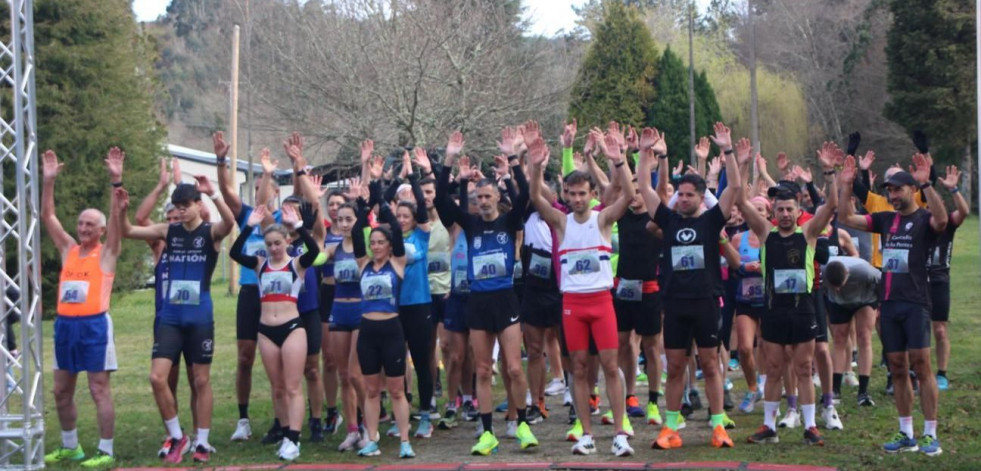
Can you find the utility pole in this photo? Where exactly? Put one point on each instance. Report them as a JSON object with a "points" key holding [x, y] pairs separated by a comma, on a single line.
{"points": [[754, 116], [691, 83], [233, 112]]}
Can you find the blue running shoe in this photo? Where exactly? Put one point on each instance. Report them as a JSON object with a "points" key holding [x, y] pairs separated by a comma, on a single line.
{"points": [[425, 429], [930, 446], [371, 449], [901, 443], [502, 407], [749, 403], [942, 383], [405, 451], [733, 364]]}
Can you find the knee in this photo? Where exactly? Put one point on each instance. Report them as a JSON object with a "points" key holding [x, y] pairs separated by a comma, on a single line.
{"points": [[940, 331], [329, 363], [483, 371], [201, 382], [397, 393], [312, 372], [676, 369], [62, 393], [802, 369], [159, 380], [456, 357], [535, 351], [246, 358]]}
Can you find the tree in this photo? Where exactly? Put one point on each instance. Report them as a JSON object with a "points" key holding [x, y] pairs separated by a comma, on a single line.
{"points": [[94, 90], [670, 113], [615, 81]]}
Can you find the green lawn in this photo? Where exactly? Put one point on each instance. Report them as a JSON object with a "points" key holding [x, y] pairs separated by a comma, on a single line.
{"points": [[139, 430]]}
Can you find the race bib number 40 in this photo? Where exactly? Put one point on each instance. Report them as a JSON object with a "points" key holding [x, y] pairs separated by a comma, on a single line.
{"points": [[895, 260], [489, 266], [687, 257], [74, 292], [185, 292], [790, 281]]}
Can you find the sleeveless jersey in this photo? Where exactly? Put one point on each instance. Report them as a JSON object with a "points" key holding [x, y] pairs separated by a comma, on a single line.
{"points": [[536, 258], [254, 245], [191, 259], [380, 289], [438, 259], [347, 275], [584, 256], [490, 255], [788, 267], [327, 269], [279, 284], [83, 288], [415, 286], [749, 290], [309, 298]]}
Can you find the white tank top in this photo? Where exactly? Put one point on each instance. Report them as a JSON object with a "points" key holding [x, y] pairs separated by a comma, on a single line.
{"points": [[537, 233], [584, 256]]}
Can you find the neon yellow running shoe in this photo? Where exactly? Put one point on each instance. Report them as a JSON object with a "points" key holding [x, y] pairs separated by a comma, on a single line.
{"points": [[653, 414], [99, 461], [681, 422], [728, 423], [574, 433], [525, 437], [65, 454], [642, 378], [486, 445], [627, 427], [607, 418]]}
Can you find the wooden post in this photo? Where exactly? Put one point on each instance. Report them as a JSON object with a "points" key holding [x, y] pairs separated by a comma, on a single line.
{"points": [[233, 117]]}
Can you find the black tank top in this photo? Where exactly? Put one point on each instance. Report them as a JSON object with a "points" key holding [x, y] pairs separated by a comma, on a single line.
{"points": [[789, 271], [639, 249]]}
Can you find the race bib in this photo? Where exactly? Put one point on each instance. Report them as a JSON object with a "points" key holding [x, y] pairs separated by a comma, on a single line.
{"points": [[490, 265], [376, 287], [687, 257], [582, 262], [74, 292], [630, 290], [833, 250], [439, 262], [895, 260], [276, 282], [184, 292], [790, 281], [540, 267], [346, 270], [255, 248], [750, 290], [460, 282]]}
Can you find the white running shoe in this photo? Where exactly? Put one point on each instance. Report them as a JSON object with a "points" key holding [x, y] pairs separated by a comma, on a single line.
{"points": [[850, 379], [620, 446], [567, 399], [584, 446], [512, 429], [791, 420], [243, 431], [289, 451], [555, 387], [350, 442], [831, 419]]}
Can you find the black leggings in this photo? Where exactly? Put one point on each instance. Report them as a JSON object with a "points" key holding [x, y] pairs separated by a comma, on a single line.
{"points": [[418, 330], [381, 345]]}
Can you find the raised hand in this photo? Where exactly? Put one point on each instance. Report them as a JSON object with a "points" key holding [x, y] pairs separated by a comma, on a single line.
{"points": [[406, 165], [114, 164], [854, 139], [367, 148], [848, 171], [501, 168], [578, 160], [506, 144], [714, 166], [455, 144], [259, 213], [295, 154], [290, 216], [744, 150], [866, 161], [702, 149], [590, 145], [633, 141], [803, 173], [51, 167], [308, 214], [660, 146], [872, 177], [611, 147], [648, 137], [353, 188], [204, 185], [537, 152], [175, 166], [920, 169], [520, 145], [952, 179], [164, 173], [533, 132], [614, 130], [295, 139], [268, 164], [568, 133], [376, 167], [465, 171], [722, 136], [421, 160], [317, 182], [122, 200], [783, 163], [828, 154], [676, 171], [220, 146], [761, 163]]}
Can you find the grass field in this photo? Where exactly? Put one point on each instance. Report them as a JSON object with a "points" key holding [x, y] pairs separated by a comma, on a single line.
{"points": [[139, 430]]}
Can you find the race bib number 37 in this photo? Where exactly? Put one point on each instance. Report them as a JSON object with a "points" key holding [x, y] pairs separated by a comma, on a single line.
{"points": [[895, 260]]}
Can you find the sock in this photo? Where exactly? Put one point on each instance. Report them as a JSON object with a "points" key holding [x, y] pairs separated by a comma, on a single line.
{"points": [[352, 428], [174, 428], [331, 411], [487, 420], [105, 444], [315, 422], [653, 396], [761, 381], [69, 438], [930, 428], [942, 373], [243, 411], [770, 409], [791, 401], [808, 410], [202, 437], [292, 435], [276, 426], [836, 382], [522, 415], [467, 398], [715, 420], [827, 400], [863, 384], [671, 419], [906, 426]]}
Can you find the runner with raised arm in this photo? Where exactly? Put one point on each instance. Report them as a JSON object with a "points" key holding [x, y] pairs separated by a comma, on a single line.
{"points": [[939, 268]]}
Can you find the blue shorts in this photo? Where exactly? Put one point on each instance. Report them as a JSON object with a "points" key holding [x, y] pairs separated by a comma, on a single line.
{"points": [[84, 344], [345, 317], [455, 314]]}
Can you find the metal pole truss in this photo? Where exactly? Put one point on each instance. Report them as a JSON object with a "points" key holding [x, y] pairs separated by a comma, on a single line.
{"points": [[21, 391]]}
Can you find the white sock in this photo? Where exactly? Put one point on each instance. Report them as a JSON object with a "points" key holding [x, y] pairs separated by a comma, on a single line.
{"points": [[105, 446], [69, 438], [906, 426], [761, 383], [174, 428], [202, 438], [770, 413], [930, 428], [808, 410]]}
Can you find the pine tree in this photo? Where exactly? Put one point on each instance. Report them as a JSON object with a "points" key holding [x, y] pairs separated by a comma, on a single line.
{"points": [[670, 113]]}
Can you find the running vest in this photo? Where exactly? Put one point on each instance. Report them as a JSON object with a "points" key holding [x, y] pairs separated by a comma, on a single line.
{"points": [[327, 269], [788, 264], [584, 256], [459, 283], [536, 258], [255, 245], [749, 289], [690, 267], [347, 274], [439, 258], [380, 289], [191, 259], [491, 255], [279, 284], [309, 298], [639, 249], [83, 288], [415, 285]]}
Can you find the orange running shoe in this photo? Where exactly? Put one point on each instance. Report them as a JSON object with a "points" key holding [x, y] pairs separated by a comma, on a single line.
{"points": [[542, 408], [667, 439], [594, 404], [720, 438]]}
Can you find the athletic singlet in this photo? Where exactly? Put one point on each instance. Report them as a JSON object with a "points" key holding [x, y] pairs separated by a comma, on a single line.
{"points": [[906, 243], [279, 284], [327, 269], [83, 288], [690, 267], [255, 245], [639, 249], [536, 258], [788, 271], [380, 289], [309, 298], [584, 256], [749, 290], [346, 274], [415, 285], [438, 259], [491, 255], [458, 266], [938, 265], [191, 259]]}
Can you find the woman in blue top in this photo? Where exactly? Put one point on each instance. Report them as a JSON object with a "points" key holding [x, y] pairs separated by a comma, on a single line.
{"points": [[749, 303]]}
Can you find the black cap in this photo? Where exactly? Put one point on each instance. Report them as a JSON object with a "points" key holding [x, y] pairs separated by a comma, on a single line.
{"points": [[900, 178], [783, 186]]}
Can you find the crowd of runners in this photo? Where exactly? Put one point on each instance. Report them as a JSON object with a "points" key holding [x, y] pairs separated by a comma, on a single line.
{"points": [[619, 268]]}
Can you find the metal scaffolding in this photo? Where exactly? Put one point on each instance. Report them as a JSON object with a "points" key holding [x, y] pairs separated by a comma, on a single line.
{"points": [[21, 391]]}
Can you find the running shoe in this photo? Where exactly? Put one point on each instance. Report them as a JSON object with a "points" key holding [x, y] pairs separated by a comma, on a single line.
{"points": [[332, 424], [889, 387], [479, 430], [177, 449], [667, 439], [699, 374], [694, 399], [641, 378], [728, 384], [849, 379], [316, 430], [633, 407], [448, 421], [393, 431], [243, 431], [900, 443], [528, 401], [574, 433], [289, 451], [165, 448], [628, 428], [469, 412], [273, 436], [720, 438], [502, 407], [930, 446], [65, 454], [511, 429], [728, 423], [543, 409], [681, 422], [686, 408], [942, 384], [813, 437], [102, 460], [749, 403], [865, 400], [555, 387], [567, 398], [371, 449], [406, 451], [621, 447], [534, 415], [350, 441], [594, 404], [653, 414], [433, 415], [607, 418], [764, 434], [202, 452], [791, 420], [572, 415], [727, 400], [486, 445], [425, 429], [525, 438], [831, 419], [733, 364], [584, 446]]}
